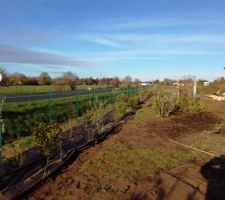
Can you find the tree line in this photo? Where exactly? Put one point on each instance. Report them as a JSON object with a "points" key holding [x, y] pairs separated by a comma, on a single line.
{"points": [[68, 78]]}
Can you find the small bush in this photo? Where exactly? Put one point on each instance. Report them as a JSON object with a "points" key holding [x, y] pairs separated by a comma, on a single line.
{"points": [[46, 136], [121, 103], [144, 94], [119, 108], [97, 118], [2, 125], [122, 98], [166, 104], [189, 104], [194, 105], [218, 129], [133, 101], [210, 89], [183, 103]]}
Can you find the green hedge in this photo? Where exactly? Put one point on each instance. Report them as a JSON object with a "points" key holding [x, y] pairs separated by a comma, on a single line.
{"points": [[19, 118]]}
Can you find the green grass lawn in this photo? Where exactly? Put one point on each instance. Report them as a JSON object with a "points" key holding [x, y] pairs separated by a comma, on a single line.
{"points": [[28, 89], [40, 103]]}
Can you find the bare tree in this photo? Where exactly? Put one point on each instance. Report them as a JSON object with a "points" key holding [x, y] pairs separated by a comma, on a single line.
{"points": [[137, 82], [115, 82], [127, 80], [157, 81], [17, 79], [168, 81], [68, 78], [44, 79]]}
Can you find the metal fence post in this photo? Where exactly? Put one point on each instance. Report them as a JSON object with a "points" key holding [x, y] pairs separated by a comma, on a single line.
{"points": [[89, 102], [112, 97], [77, 107], [94, 100], [1, 128], [49, 106]]}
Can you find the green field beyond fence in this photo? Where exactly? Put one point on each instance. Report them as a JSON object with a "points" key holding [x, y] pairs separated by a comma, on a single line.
{"points": [[19, 118], [29, 89]]}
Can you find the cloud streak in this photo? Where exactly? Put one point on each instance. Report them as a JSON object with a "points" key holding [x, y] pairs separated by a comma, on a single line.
{"points": [[21, 55], [147, 54], [119, 24], [117, 39], [107, 42]]}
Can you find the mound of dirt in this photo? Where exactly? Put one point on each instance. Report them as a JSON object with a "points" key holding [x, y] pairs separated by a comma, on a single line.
{"points": [[155, 131], [183, 124]]}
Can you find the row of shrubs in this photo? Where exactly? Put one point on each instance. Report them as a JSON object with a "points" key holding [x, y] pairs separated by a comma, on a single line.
{"points": [[19, 122], [96, 118], [46, 134]]}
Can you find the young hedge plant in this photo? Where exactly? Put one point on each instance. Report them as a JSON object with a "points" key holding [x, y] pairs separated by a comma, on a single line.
{"points": [[166, 104], [46, 136]]}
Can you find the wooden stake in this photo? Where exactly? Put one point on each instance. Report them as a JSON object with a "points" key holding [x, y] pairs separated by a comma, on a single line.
{"points": [[193, 148]]}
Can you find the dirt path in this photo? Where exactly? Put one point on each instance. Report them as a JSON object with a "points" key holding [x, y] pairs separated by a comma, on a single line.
{"points": [[104, 172]]}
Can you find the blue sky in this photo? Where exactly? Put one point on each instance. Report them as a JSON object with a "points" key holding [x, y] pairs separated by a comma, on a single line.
{"points": [[146, 39]]}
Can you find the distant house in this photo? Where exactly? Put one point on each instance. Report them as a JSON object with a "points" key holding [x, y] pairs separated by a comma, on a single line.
{"points": [[178, 83], [187, 83], [206, 83], [145, 83]]}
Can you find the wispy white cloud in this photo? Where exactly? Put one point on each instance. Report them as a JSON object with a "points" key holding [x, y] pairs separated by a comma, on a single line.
{"points": [[112, 32], [117, 39], [105, 41], [21, 55], [124, 45], [146, 54], [119, 24], [100, 40]]}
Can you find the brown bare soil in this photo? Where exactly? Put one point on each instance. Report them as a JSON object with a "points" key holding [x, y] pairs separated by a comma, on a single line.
{"points": [[181, 182], [156, 131]]}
